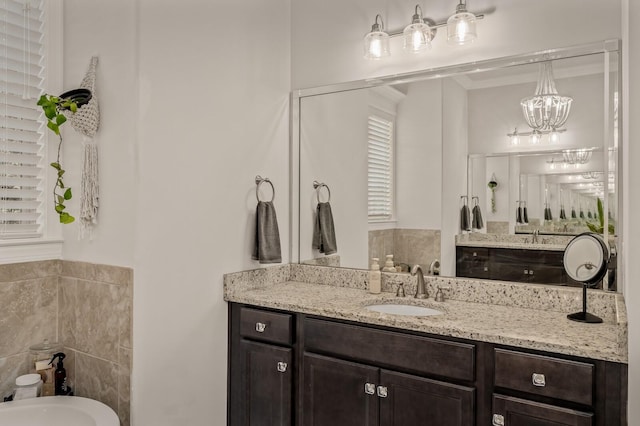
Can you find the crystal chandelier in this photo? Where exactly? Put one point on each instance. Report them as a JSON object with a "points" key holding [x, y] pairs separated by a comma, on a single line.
{"points": [[546, 110], [578, 156]]}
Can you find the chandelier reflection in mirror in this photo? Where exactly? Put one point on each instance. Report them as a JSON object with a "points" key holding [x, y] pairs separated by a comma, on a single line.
{"points": [[417, 36], [577, 156], [546, 110]]}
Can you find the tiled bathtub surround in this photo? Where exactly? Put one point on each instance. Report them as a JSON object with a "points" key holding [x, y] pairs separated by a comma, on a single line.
{"points": [[410, 246], [532, 316], [88, 308]]}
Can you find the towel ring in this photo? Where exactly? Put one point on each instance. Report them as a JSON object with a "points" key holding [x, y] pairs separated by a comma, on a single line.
{"points": [[259, 181], [318, 186]]}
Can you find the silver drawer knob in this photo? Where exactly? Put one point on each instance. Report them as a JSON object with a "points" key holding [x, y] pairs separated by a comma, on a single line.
{"points": [[260, 327], [498, 420], [382, 391], [282, 367], [538, 379], [369, 388]]}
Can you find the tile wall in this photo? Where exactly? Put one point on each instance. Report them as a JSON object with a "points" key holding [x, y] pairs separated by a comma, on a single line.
{"points": [[88, 308], [408, 246]]}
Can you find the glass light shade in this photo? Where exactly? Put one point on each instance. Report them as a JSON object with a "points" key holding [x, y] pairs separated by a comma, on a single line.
{"points": [[515, 139], [554, 137], [417, 37], [461, 28], [376, 45], [535, 138]]}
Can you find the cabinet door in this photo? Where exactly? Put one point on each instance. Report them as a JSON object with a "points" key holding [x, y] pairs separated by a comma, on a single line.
{"points": [[339, 393], [508, 411], [412, 400], [472, 262], [266, 376]]}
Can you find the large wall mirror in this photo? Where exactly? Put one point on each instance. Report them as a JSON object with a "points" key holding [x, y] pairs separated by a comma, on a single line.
{"points": [[402, 155]]}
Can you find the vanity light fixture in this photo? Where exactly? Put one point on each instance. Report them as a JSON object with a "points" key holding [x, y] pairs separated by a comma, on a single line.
{"points": [[417, 35], [461, 26], [376, 42], [546, 109], [535, 136], [461, 29]]}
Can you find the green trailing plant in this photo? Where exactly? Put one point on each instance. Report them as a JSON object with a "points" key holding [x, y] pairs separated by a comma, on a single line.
{"points": [[54, 108], [598, 227]]}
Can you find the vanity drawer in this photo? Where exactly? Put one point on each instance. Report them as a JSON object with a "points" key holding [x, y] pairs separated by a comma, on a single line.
{"points": [[543, 375], [264, 325], [391, 349]]}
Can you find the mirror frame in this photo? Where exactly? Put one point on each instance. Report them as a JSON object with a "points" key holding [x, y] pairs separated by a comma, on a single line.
{"points": [[606, 46]]}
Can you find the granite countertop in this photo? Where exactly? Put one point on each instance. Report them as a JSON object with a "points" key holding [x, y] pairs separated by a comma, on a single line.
{"points": [[518, 326], [512, 245]]}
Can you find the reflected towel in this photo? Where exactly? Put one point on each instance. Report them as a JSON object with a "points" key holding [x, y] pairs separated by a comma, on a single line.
{"points": [[477, 222], [267, 248], [465, 222], [324, 234]]}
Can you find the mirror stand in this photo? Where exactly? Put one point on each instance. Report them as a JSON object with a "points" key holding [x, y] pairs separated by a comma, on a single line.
{"points": [[584, 316]]}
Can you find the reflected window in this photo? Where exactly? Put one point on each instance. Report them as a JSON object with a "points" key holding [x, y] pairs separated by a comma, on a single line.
{"points": [[380, 165]]}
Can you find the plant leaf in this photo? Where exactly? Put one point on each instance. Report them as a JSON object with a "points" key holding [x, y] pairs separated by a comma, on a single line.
{"points": [[60, 199], [49, 111], [60, 208], [74, 107], [60, 119], [55, 166], [66, 218], [67, 194], [54, 127]]}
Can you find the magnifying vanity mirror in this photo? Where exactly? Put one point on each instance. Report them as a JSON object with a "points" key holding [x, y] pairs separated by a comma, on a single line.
{"points": [[399, 153]]}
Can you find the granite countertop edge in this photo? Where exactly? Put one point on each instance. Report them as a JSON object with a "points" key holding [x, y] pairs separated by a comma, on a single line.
{"points": [[512, 245], [528, 328]]}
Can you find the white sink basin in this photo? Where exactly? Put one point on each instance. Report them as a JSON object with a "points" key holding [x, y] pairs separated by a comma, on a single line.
{"points": [[409, 310]]}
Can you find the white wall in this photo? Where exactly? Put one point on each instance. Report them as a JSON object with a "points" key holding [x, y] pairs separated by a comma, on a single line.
{"points": [[89, 31], [327, 42], [193, 109], [419, 156], [453, 168], [334, 151]]}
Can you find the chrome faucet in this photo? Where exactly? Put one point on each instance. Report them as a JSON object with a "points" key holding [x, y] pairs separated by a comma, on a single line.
{"points": [[534, 238], [434, 268], [421, 291]]}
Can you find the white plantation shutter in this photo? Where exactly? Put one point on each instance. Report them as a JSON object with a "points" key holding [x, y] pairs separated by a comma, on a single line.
{"points": [[380, 167], [21, 129]]}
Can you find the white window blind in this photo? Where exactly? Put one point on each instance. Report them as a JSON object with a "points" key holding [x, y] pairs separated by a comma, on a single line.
{"points": [[380, 168], [21, 128]]}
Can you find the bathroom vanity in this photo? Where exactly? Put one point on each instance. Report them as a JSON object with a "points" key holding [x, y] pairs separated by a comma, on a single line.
{"points": [[312, 354]]}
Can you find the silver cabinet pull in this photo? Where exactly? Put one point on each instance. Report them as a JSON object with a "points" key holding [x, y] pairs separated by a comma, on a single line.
{"points": [[486, 268], [282, 367], [530, 271], [369, 388], [498, 420], [538, 379], [383, 391], [526, 271], [260, 327], [475, 254]]}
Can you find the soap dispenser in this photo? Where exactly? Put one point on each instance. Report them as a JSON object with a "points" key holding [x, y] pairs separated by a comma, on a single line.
{"points": [[60, 374], [375, 278]]}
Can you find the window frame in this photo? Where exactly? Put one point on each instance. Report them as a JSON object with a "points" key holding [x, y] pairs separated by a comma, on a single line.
{"points": [[388, 115], [49, 244]]}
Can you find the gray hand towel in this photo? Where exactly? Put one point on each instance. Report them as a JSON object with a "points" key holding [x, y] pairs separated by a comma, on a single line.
{"points": [[267, 248], [324, 234]]}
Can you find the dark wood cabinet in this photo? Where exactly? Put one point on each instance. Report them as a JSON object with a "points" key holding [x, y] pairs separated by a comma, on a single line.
{"points": [[519, 265], [312, 371], [261, 370], [509, 411], [411, 400], [339, 393], [267, 384]]}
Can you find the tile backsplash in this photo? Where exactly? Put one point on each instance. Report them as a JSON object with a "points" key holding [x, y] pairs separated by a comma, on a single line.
{"points": [[408, 246], [86, 307]]}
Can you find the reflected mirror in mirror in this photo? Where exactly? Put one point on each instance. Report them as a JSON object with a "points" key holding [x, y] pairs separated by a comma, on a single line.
{"points": [[399, 153]]}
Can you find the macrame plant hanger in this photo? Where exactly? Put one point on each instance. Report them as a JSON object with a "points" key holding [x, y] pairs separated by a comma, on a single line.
{"points": [[87, 121]]}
